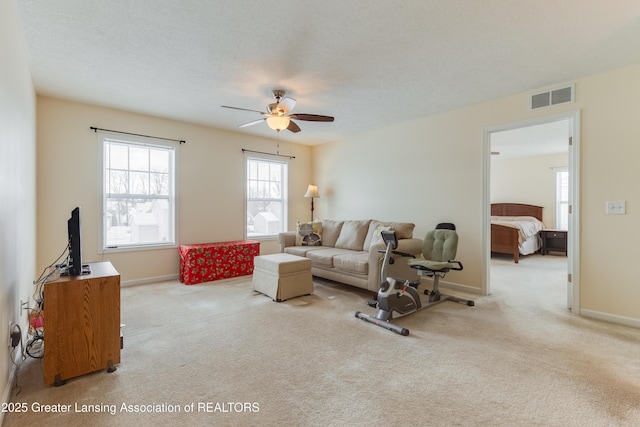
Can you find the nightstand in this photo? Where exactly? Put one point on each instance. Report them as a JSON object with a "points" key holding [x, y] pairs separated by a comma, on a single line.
{"points": [[553, 240]]}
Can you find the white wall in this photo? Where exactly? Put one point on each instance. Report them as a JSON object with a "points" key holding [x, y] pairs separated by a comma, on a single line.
{"points": [[430, 170], [210, 183], [530, 180], [17, 181]]}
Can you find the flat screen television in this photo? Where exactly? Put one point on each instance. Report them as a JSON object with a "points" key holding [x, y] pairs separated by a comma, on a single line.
{"points": [[74, 261]]}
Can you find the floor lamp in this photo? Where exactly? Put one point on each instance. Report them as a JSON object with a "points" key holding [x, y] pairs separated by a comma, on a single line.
{"points": [[312, 192]]}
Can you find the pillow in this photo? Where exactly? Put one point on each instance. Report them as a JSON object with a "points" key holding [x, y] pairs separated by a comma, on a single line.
{"points": [[377, 234], [352, 235], [309, 234], [330, 232], [373, 225], [404, 230]]}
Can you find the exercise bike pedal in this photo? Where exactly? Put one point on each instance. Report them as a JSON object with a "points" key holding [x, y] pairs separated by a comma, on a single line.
{"points": [[372, 303]]}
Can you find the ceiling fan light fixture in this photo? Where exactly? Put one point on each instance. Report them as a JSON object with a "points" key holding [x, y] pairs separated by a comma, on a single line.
{"points": [[278, 115], [278, 123]]}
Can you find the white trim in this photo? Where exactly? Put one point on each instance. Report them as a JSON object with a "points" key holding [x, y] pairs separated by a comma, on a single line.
{"points": [[573, 267], [459, 287], [149, 280], [486, 210], [573, 243], [6, 395], [285, 189], [612, 318], [148, 142]]}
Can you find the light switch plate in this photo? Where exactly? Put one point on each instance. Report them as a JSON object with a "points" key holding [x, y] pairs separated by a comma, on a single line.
{"points": [[617, 207]]}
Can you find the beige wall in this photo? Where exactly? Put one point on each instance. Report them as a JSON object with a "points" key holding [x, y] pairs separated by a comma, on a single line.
{"points": [[210, 183], [430, 170], [17, 183], [530, 180]]}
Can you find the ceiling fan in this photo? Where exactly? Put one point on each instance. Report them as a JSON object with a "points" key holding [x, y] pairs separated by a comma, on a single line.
{"points": [[278, 115]]}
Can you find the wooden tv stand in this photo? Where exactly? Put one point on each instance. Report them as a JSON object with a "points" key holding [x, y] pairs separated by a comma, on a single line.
{"points": [[82, 324]]}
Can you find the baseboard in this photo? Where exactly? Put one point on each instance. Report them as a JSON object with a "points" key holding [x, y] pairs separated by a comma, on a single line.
{"points": [[612, 318], [148, 280], [458, 287], [6, 395]]}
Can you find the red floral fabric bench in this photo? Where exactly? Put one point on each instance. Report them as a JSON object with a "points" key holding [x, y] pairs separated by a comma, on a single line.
{"points": [[206, 262]]}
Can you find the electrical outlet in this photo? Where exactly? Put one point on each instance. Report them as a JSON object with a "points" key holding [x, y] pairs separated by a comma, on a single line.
{"points": [[14, 335]]}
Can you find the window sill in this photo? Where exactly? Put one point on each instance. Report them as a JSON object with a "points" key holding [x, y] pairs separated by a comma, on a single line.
{"points": [[263, 238], [140, 248]]}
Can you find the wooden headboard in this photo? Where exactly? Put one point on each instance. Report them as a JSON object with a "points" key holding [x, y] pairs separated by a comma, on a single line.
{"points": [[516, 209]]}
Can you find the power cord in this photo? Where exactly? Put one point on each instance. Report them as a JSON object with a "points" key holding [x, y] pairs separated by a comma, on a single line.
{"points": [[17, 341], [50, 273], [12, 356]]}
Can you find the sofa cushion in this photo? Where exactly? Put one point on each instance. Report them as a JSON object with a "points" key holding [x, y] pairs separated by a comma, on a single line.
{"points": [[301, 250], [309, 234], [330, 232], [354, 262], [324, 257], [352, 235]]}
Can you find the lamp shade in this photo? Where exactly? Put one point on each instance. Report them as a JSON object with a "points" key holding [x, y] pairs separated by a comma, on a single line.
{"points": [[278, 122], [312, 191]]}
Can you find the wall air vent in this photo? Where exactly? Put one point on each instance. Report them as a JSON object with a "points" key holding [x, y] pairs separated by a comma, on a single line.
{"points": [[553, 97]]}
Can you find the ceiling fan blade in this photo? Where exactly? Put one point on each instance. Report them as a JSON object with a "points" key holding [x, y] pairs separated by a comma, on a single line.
{"points": [[287, 104], [293, 127], [311, 117], [255, 122], [242, 109]]}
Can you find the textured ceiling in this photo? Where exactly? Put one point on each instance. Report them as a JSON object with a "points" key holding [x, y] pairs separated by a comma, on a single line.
{"points": [[368, 63]]}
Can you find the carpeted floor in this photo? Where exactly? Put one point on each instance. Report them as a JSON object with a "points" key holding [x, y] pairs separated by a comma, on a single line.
{"points": [[220, 354]]}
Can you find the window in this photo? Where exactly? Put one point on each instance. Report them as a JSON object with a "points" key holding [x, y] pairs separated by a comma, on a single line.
{"points": [[266, 197], [138, 195], [562, 199]]}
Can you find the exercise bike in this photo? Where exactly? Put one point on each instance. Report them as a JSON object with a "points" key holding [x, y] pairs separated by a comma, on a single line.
{"points": [[401, 296]]}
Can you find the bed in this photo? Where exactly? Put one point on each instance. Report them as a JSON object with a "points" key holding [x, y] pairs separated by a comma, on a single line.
{"points": [[514, 229]]}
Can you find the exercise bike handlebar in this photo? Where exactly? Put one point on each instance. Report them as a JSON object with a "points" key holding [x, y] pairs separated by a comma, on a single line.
{"points": [[404, 254]]}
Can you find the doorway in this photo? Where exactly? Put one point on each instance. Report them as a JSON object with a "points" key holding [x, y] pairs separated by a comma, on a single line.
{"points": [[569, 123]]}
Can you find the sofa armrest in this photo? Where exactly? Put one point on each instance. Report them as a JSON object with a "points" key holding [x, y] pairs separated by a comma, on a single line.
{"points": [[410, 246], [288, 238]]}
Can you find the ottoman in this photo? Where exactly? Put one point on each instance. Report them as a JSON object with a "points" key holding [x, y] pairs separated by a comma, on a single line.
{"points": [[282, 276]]}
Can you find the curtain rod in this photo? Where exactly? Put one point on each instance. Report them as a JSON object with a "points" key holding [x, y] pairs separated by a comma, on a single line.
{"points": [[181, 141], [244, 150]]}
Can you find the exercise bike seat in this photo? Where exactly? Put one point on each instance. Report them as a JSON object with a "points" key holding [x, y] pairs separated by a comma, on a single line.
{"points": [[438, 251]]}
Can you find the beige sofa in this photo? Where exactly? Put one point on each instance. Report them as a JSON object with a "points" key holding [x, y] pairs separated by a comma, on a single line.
{"points": [[347, 251]]}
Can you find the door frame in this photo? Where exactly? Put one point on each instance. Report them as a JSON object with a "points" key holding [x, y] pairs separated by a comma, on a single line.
{"points": [[573, 243]]}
